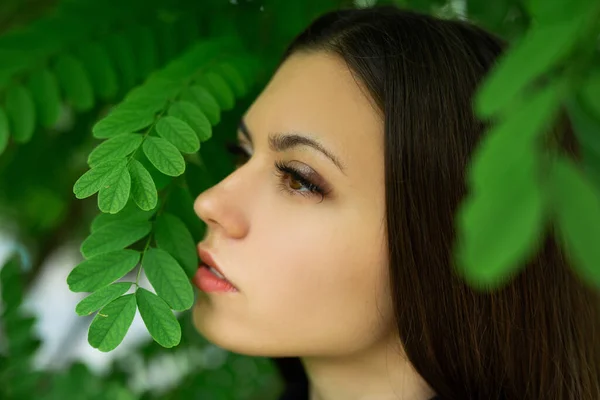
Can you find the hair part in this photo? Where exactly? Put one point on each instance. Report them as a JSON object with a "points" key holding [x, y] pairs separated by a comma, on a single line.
{"points": [[536, 338]]}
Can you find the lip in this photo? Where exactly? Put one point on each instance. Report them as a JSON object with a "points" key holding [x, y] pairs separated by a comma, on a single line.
{"points": [[206, 259]]}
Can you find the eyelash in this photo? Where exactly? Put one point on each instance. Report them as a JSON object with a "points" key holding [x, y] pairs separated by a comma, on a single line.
{"points": [[282, 170]]}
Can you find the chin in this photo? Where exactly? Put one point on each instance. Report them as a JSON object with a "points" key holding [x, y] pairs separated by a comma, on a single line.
{"points": [[224, 334]]}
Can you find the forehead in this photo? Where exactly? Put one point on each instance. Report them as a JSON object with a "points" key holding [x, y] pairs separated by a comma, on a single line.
{"points": [[316, 94]]}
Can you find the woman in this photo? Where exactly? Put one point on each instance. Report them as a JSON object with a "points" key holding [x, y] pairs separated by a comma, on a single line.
{"points": [[335, 235]]}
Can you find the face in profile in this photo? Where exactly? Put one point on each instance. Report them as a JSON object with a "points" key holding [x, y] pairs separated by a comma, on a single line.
{"points": [[301, 232]]}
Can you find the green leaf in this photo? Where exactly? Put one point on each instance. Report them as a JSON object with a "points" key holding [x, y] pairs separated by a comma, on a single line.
{"points": [[220, 90], [179, 134], [114, 193], [46, 96], [102, 297], [117, 147], [121, 52], [98, 65], [4, 130], [111, 324], [158, 318], [498, 229], [143, 189], [161, 181], [93, 180], [121, 121], [538, 51], [168, 279], [509, 143], [172, 235], [114, 236], [195, 118], [74, 81], [164, 156], [20, 108], [233, 78], [102, 270], [202, 98], [577, 208], [130, 212]]}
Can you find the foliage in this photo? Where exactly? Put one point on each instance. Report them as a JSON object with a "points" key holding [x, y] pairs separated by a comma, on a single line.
{"points": [[134, 100]]}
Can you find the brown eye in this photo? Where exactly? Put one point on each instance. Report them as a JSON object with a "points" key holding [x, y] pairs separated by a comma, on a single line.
{"points": [[295, 184]]}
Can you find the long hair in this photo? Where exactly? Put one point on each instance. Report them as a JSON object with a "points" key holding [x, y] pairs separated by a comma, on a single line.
{"points": [[537, 336]]}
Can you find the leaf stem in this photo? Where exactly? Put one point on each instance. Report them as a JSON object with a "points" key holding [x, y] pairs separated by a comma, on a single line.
{"points": [[137, 279]]}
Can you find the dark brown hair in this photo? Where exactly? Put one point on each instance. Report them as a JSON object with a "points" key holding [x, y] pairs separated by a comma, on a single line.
{"points": [[537, 336]]}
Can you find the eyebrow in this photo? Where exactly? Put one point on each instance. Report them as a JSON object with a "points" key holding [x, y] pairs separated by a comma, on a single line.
{"points": [[279, 142]]}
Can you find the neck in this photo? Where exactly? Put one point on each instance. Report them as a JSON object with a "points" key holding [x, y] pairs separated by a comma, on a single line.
{"points": [[382, 373]]}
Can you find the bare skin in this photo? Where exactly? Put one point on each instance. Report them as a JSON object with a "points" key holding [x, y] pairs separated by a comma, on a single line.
{"points": [[311, 270]]}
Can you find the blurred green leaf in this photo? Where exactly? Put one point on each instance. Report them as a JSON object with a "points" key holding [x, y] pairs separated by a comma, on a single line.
{"points": [[178, 133], [4, 130], [166, 37], [11, 284], [233, 78], [114, 193], [20, 109], [500, 228], [111, 324], [556, 11], [121, 51], [164, 156], [577, 208], [102, 297], [168, 279], [102, 270], [94, 179], [512, 140], [114, 236], [74, 81], [202, 98], [541, 49], [220, 90], [143, 189], [145, 50], [173, 236], [587, 130], [158, 318], [46, 96], [491, 14], [590, 92], [98, 65], [195, 118]]}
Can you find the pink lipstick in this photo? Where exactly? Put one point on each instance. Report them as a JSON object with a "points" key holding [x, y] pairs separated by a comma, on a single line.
{"points": [[209, 278]]}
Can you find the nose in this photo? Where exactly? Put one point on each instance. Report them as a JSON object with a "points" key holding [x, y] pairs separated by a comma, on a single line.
{"points": [[222, 209]]}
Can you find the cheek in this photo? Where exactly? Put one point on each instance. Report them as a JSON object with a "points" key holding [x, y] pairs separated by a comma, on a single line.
{"points": [[323, 279]]}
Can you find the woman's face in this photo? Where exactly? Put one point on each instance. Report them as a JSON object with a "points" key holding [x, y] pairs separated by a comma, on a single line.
{"points": [[311, 269]]}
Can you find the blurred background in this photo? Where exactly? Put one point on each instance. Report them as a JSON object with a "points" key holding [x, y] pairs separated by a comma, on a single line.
{"points": [[63, 65]]}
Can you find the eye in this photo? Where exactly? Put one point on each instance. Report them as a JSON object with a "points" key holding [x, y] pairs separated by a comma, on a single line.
{"points": [[294, 181]]}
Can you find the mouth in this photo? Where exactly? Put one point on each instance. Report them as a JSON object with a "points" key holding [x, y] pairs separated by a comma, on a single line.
{"points": [[209, 277]]}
